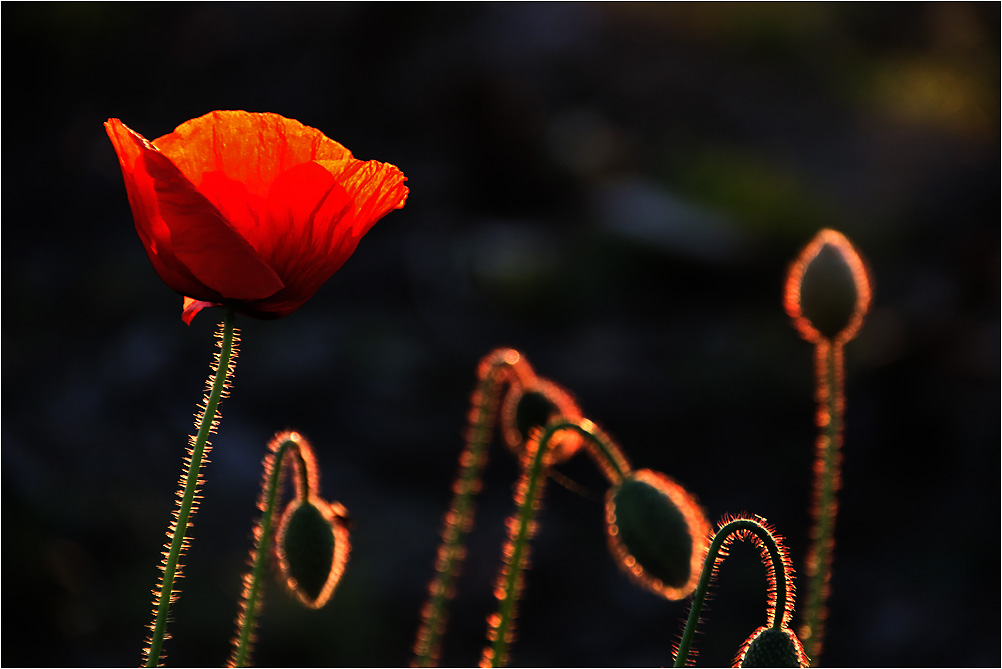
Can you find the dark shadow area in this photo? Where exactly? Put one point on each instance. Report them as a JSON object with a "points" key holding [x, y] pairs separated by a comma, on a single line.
{"points": [[614, 189]]}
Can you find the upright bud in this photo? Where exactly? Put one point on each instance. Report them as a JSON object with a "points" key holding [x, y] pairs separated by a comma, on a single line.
{"points": [[827, 289]]}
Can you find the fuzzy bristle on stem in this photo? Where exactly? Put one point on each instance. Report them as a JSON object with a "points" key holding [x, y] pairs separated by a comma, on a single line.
{"points": [[206, 423], [779, 574], [522, 524], [827, 294], [501, 366], [252, 594], [286, 450]]}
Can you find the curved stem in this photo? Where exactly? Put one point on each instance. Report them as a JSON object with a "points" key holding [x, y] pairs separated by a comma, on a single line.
{"points": [[165, 594], [827, 481], [602, 449], [253, 581], [778, 610], [522, 525], [459, 519]]}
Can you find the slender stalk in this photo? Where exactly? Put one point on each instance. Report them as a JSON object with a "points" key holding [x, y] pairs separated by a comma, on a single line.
{"points": [[778, 574], [522, 525], [602, 449], [516, 551], [164, 594], [495, 369], [254, 581], [826, 484]]}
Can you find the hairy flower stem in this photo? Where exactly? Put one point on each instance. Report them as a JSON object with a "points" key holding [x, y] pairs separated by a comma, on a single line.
{"points": [[250, 603], [778, 608], [165, 594], [827, 481], [522, 524], [495, 369]]}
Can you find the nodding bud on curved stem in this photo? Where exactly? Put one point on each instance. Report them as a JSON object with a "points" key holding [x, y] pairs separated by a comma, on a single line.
{"points": [[533, 404], [311, 545], [779, 576], [657, 532], [499, 367]]}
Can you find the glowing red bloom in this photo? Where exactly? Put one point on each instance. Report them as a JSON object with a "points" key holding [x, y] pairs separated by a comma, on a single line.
{"points": [[253, 210]]}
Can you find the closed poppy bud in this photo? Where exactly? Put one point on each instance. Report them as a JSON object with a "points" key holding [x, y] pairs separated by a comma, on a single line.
{"points": [[252, 210], [531, 407], [772, 647], [827, 289], [312, 549], [657, 532]]}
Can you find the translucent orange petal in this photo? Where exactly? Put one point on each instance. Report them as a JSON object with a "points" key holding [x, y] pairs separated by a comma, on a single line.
{"points": [[179, 226], [150, 227], [375, 189], [251, 148]]}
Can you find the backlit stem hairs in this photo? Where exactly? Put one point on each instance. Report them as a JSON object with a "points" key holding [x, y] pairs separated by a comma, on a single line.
{"points": [[501, 366], [217, 388], [285, 449], [522, 524], [828, 292], [778, 575]]}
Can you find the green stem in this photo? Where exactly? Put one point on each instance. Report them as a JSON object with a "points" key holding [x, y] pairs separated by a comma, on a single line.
{"points": [[522, 524], [254, 582], [778, 609], [459, 519], [826, 484], [165, 594], [602, 449]]}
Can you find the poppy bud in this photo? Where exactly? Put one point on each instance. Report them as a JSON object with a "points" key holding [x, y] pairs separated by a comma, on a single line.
{"points": [[772, 647], [532, 407], [312, 549], [657, 532], [827, 290]]}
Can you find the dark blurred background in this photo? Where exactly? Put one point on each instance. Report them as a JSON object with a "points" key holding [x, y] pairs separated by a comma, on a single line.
{"points": [[614, 189]]}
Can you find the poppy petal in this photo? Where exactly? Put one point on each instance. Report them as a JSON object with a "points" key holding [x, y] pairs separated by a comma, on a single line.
{"points": [[198, 236], [190, 308], [254, 149], [204, 241], [303, 233], [152, 230], [375, 188], [252, 210]]}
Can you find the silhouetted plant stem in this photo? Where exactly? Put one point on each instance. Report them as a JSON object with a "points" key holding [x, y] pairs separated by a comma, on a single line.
{"points": [[164, 594], [780, 595], [522, 524], [495, 369], [827, 468], [827, 294], [250, 603]]}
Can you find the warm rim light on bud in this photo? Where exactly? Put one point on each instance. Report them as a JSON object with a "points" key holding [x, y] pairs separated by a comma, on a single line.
{"points": [[317, 591], [772, 647], [638, 513], [532, 406], [828, 289]]}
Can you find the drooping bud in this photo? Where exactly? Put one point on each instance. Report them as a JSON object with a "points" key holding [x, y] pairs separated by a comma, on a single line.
{"points": [[312, 549], [531, 407], [772, 647], [657, 533], [827, 289]]}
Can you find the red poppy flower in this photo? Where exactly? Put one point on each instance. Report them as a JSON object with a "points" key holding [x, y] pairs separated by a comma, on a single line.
{"points": [[252, 210]]}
